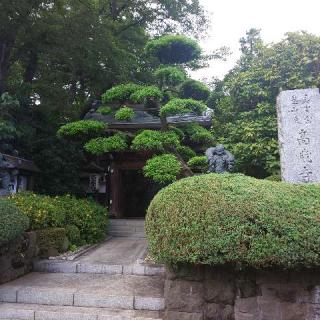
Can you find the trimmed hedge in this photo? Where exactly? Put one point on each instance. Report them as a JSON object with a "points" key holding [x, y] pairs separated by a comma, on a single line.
{"points": [[99, 146], [235, 220], [173, 49], [82, 128], [193, 89], [59, 212], [163, 169], [124, 114], [12, 222]]}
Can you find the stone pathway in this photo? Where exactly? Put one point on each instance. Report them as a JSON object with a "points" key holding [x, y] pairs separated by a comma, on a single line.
{"points": [[110, 282]]}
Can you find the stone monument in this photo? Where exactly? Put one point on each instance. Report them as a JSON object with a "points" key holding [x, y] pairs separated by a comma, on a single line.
{"points": [[220, 160], [299, 135]]}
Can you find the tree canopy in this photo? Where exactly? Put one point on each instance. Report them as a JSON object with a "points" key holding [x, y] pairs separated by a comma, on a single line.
{"points": [[245, 101], [56, 57]]}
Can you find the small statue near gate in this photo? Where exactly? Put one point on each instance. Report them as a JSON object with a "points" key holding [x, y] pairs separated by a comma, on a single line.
{"points": [[219, 160], [6, 176]]}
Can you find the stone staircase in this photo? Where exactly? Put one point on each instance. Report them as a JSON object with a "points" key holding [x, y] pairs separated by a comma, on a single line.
{"points": [[48, 296], [128, 228], [111, 282]]}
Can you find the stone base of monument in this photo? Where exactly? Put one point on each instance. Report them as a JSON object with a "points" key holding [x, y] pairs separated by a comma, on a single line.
{"points": [[205, 293]]}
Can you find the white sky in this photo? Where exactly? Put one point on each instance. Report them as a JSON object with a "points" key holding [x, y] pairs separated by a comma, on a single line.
{"points": [[231, 19]]}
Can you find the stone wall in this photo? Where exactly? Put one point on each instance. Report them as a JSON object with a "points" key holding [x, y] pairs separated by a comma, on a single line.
{"points": [[17, 256], [204, 293]]}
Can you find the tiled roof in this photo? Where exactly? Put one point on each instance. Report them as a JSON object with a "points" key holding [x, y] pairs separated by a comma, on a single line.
{"points": [[20, 163]]}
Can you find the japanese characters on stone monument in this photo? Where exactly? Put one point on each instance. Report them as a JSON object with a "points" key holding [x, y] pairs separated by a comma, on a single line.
{"points": [[299, 135]]}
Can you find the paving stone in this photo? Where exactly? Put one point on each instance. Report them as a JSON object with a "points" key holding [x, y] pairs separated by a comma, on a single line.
{"points": [[146, 303], [56, 296], [103, 301], [45, 312], [99, 268], [55, 267], [138, 269], [50, 315], [154, 271], [8, 294], [10, 313]]}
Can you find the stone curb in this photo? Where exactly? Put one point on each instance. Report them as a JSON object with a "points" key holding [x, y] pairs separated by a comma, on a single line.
{"points": [[70, 267], [29, 314], [65, 297]]}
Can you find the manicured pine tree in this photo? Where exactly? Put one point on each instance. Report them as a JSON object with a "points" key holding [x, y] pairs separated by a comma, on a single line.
{"points": [[172, 149]]}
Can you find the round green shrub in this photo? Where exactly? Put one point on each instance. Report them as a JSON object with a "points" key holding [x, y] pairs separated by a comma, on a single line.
{"points": [[82, 128], [152, 140], [174, 49], [147, 94], [12, 222], [198, 164], [235, 220], [104, 110], [124, 114], [99, 146], [163, 169], [87, 215], [193, 89], [182, 106], [120, 93], [170, 76]]}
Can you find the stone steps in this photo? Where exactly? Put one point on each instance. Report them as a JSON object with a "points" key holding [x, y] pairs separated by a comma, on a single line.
{"points": [[42, 312], [128, 228], [138, 269], [126, 292]]}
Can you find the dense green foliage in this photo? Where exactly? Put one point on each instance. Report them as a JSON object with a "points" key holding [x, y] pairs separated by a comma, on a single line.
{"points": [[57, 57], [163, 169], [157, 103], [51, 238], [235, 220], [182, 106], [174, 49], [82, 128], [61, 164], [192, 89], [146, 94], [124, 114], [199, 164], [73, 234], [12, 222], [186, 152], [198, 134], [244, 102], [104, 110], [60, 212], [120, 93], [151, 140], [101, 145], [169, 76]]}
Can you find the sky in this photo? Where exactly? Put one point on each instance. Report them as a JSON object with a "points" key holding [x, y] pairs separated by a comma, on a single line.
{"points": [[230, 19]]}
